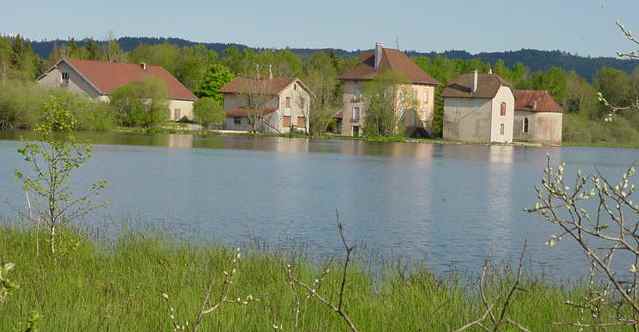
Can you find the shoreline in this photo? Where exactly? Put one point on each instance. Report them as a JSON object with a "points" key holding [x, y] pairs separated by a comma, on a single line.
{"points": [[391, 139]]}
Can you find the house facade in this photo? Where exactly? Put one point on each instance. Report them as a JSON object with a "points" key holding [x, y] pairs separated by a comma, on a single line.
{"points": [[273, 105], [98, 79], [479, 108], [538, 117], [419, 85]]}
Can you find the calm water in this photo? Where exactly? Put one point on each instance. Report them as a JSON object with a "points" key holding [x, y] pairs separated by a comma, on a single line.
{"points": [[442, 205]]}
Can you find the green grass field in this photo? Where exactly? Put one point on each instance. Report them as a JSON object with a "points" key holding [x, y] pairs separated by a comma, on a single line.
{"points": [[100, 287]]}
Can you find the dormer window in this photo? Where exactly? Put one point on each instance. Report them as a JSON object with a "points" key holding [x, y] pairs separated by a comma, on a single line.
{"points": [[65, 77]]}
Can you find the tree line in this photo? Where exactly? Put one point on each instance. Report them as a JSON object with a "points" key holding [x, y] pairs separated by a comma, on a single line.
{"points": [[204, 71]]}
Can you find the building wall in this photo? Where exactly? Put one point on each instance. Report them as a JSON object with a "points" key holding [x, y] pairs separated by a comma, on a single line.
{"points": [[352, 94], [179, 109], [543, 127], [504, 95], [299, 110], [467, 119], [425, 95], [53, 79]]}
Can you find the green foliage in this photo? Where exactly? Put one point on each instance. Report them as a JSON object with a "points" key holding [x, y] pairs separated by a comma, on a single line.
{"points": [[387, 102], [208, 111], [188, 64], [321, 77], [119, 288], [141, 104], [51, 162], [215, 77], [7, 286], [22, 104]]}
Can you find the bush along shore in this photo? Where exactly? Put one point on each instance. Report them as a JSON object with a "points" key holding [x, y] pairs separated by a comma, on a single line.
{"points": [[143, 283]]}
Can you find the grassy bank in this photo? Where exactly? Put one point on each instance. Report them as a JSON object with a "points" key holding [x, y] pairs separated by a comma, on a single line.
{"points": [[119, 287]]}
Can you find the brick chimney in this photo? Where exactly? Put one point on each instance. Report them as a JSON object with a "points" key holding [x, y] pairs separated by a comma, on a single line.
{"points": [[379, 50]]}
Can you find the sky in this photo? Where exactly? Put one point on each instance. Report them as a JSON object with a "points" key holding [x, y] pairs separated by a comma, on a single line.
{"points": [[584, 27]]}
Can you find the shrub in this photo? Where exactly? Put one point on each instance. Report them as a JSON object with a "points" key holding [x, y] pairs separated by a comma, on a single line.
{"points": [[141, 104], [21, 105], [208, 112]]}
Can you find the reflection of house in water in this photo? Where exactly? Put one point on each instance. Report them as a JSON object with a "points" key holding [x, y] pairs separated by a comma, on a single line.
{"points": [[501, 154], [180, 141]]}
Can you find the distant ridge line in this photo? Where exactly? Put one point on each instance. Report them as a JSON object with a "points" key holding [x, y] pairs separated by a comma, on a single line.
{"points": [[535, 60]]}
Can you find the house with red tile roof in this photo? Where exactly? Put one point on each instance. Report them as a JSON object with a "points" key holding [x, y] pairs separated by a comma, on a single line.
{"points": [[273, 105], [538, 117], [98, 79], [383, 60], [479, 108]]}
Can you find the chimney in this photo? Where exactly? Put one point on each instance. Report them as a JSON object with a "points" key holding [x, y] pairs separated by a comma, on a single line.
{"points": [[270, 72], [475, 81], [379, 49], [143, 65]]}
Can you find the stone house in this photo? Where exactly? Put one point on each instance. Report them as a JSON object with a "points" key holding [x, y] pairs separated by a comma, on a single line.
{"points": [[274, 105], [538, 117], [352, 119], [98, 79], [479, 108]]}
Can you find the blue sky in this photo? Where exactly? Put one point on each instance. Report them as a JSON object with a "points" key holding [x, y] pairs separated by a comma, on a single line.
{"points": [[585, 27]]}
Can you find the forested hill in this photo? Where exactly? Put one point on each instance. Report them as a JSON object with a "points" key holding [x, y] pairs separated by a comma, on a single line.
{"points": [[533, 59]]}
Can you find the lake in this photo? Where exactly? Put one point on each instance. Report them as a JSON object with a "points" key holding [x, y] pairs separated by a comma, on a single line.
{"points": [[447, 206]]}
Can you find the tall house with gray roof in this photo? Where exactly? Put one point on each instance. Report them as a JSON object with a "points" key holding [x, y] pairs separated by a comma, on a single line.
{"points": [[479, 108], [352, 119]]}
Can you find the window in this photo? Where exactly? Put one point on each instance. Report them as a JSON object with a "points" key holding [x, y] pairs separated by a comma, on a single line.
{"points": [[502, 111], [288, 102], [177, 113], [355, 131], [301, 122], [286, 121], [302, 102], [65, 78], [502, 129], [525, 125], [356, 114], [295, 86], [426, 97], [237, 121]]}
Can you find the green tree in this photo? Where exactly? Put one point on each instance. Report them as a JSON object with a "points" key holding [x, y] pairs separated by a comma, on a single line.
{"points": [[320, 75], [215, 77], [389, 101], [208, 112], [141, 104], [52, 161]]}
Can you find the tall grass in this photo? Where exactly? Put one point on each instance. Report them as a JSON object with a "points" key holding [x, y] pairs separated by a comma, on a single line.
{"points": [[95, 287]]}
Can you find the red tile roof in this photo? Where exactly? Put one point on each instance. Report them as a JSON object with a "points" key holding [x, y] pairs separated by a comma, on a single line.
{"points": [[108, 76], [487, 86], [240, 112], [392, 60], [263, 87], [536, 101]]}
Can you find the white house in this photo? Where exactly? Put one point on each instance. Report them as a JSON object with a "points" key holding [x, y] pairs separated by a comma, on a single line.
{"points": [[479, 108], [273, 105], [98, 79]]}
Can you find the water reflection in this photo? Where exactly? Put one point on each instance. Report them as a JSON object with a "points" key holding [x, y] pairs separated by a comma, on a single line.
{"points": [[441, 205]]}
